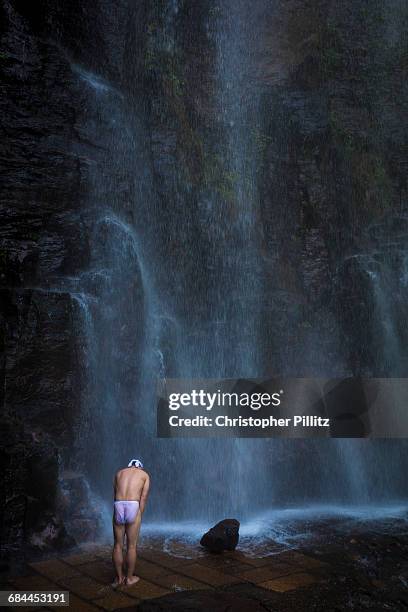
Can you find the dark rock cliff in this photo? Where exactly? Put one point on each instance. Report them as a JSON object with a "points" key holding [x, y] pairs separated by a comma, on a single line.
{"points": [[331, 150], [42, 238], [45, 160]]}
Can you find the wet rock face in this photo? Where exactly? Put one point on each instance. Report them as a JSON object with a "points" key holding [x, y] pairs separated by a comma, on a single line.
{"points": [[223, 536], [326, 78], [80, 512], [30, 517], [46, 220], [326, 180], [40, 224]]}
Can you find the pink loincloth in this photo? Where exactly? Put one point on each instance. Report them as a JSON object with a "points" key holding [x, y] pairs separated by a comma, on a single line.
{"points": [[125, 511]]}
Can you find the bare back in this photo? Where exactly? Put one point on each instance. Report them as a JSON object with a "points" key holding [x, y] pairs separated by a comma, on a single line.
{"points": [[129, 484]]}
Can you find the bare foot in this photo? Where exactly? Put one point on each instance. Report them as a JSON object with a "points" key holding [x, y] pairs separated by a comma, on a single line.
{"points": [[117, 582], [132, 580]]}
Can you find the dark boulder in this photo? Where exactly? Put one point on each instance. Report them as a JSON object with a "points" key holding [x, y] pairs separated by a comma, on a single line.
{"points": [[223, 536], [82, 511]]}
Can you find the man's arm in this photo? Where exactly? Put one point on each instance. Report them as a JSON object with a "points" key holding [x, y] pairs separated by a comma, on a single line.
{"points": [[145, 493]]}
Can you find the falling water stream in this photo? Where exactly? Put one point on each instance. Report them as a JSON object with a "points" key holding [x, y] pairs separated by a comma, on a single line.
{"points": [[148, 314]]}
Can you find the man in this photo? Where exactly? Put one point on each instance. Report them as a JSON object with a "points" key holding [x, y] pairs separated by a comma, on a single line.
{"points": [[131, 488]]}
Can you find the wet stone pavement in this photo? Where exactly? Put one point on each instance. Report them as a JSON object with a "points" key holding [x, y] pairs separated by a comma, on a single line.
{"points": [[366, 571]]}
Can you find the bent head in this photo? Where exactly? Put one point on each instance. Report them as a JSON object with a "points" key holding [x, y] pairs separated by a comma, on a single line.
{"points": [[135, 463]]}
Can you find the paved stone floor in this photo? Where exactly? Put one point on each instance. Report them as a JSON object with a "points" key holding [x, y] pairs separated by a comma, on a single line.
{"points": [[87, 574], [358, 570]]}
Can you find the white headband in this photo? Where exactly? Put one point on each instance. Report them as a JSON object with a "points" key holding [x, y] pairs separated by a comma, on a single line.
{"points": [[135, 463]]}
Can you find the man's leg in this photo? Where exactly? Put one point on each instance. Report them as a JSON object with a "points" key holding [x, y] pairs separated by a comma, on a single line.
{"points": [[132, 536], [117, 553]]}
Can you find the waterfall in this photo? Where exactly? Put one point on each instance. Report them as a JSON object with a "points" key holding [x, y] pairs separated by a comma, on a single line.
{"points": [[181, 283]]}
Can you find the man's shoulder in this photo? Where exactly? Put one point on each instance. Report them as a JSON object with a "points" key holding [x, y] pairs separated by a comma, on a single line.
{"points": [[145, 474]]}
